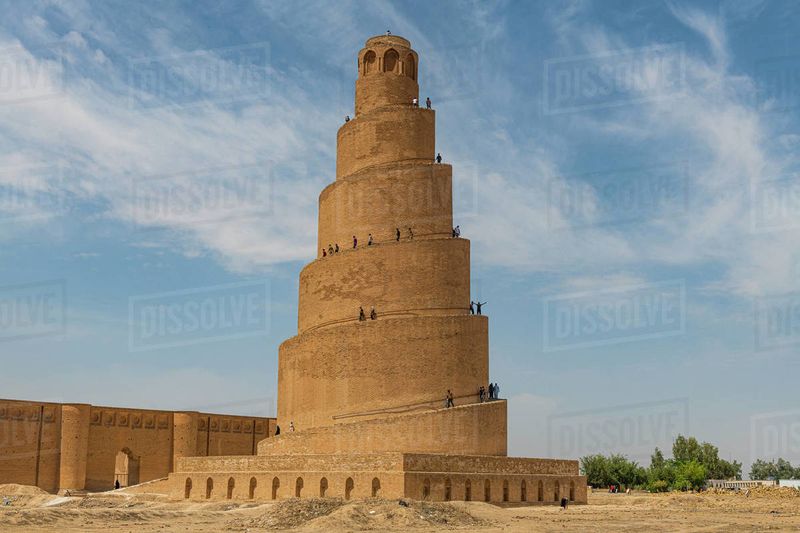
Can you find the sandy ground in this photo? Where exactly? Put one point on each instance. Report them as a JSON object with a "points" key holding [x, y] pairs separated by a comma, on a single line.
{"points": [[33, 510]]}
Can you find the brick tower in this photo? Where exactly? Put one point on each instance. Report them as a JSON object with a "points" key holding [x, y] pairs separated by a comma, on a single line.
{"points": [[366, 396], [339, 369]]}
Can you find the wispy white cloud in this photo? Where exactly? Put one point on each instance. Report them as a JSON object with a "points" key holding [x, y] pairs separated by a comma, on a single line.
{"points": [[109, 145], [732, 154], [112, 144]]}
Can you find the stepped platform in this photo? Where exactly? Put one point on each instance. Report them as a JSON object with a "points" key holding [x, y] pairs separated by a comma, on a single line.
{"points": [[476, 428], [431, 477]]}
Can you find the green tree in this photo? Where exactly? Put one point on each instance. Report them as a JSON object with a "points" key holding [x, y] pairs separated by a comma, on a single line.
{"points": [[685, 450], [616, 469], [624, 472], [760, 469], [595, 468], [780, 469], [690, 475], [657, 459], [661, 473], [783, 469]]}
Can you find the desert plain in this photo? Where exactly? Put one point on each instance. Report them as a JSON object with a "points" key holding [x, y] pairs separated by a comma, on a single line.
{"points": [[30, 509]]}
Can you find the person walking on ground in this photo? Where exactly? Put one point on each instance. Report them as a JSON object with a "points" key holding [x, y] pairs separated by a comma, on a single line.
{"points": [[481, 393], [330, 250], [415, 102], [116, 484], [564, 504], [336, 249], [361, 316], [355, 241], [449, 398], [496, 391], [291, 426], [479, 305], [372, 314], [438, 158], [471, 307], [491, 391], [428, 102], [458, 231], [347, 118], [277, 430], [369, 241], [410, 235], [397, 232], [324, 253]]}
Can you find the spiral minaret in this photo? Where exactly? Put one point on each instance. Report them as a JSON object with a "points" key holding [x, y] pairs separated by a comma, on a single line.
{"points": [[424, 341], [361, 402]]}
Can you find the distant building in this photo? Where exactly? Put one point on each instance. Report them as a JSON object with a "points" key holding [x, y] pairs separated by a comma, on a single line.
{"points": [[735, 484]]}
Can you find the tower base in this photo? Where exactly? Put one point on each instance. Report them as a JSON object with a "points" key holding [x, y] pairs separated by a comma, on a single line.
{"points": [[432, 477]]}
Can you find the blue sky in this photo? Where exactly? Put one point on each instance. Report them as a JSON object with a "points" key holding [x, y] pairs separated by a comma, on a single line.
{"points": [[605, 155]]}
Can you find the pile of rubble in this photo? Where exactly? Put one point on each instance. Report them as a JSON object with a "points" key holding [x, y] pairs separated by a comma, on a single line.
{"points": [[327, 514]]}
